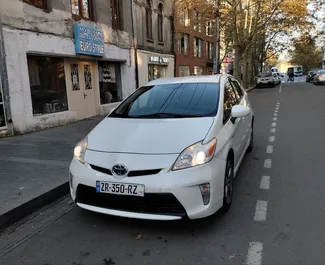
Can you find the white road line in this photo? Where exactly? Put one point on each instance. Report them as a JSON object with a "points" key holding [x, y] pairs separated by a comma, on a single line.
{"points": [[275, 114], [254, 255], [275, 119], [265, 183], [268, 163], [273, 124], [276, 110], [271, 139], [269, 149], [260, 211], [280, 89], [273, 130]]}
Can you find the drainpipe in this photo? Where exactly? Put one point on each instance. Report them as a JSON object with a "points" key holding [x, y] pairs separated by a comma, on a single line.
{"points": [[4, 77], [135, 45]]}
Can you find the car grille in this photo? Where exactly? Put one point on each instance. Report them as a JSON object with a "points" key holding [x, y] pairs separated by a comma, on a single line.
{"points": [[134, 173], [151, 203]]}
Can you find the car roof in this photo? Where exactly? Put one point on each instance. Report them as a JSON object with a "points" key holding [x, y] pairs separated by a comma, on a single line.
{"points": [[187, 79]]}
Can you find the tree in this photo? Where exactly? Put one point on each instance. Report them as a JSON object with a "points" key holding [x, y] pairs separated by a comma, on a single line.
{"points": [[306, 53]]}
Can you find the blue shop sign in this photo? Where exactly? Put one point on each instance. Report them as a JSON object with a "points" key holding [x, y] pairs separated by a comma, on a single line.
{"points": [[89, 41]]}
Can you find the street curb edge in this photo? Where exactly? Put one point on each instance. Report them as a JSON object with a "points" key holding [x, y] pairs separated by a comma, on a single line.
{"points": [[33, 205]]}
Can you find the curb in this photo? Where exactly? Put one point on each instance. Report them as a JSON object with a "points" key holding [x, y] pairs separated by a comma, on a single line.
{"points": [[250, 89], [33, 205]]}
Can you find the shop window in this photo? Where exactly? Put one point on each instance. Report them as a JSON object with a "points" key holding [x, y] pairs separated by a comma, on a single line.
{"points": [[116, 8], [198, 70], [209, 50], [75, 77], [160, 23], [183, 44], [37, 3], [82, 8], [149, 20], [2, 111], [47, 84], [197, 47], [109, 83], [156, 71], [184, 70]]}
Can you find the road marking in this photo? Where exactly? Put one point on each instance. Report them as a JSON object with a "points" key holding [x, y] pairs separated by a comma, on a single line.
{"points": [[273, 130], [260, 211], [275, 119], [269, 149], [265, 183], [278, 103], [273, 124], [276, 110], [271, 139], [36, 161], [275, 114], [254, 255], [268, 163], [280, 89]]}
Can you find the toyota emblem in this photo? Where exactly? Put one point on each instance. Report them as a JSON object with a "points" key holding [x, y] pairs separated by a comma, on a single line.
{"points": [[119, 170]]}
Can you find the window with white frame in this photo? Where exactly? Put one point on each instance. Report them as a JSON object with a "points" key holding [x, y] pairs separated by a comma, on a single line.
{"points": [[198, 47], [183, 42]]}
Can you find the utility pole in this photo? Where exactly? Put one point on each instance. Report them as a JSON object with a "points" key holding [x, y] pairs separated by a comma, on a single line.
{"points": [[216, 62]]}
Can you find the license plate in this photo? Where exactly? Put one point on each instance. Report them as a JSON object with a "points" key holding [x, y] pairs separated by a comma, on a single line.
{"points": [[120, 188]]}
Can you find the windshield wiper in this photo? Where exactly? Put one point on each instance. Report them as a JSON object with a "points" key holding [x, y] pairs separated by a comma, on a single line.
{"points": [[162, 115]]}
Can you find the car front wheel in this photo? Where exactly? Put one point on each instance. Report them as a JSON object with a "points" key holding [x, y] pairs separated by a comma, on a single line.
{"points": [[228, 186]]}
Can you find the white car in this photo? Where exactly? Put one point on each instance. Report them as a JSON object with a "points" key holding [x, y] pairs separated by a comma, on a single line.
{"points": [[277, 78], [265, 79], [319, 77], [169, 151]]}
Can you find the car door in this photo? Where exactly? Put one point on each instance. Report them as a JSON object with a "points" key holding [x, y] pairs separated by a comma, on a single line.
{"points": [[232, 126], [246, 122]]}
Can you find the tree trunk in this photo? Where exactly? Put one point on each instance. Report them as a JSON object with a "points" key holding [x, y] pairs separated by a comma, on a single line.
{"points": [[238, 63]]}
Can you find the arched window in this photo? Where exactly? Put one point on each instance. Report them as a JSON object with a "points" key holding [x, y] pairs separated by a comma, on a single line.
{"points": [[160, 23], [149, 19]]}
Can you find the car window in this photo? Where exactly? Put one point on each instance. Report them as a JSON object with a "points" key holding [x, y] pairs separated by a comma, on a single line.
{"points": [[229, 101], [171, 101], [238, 90], [321, 72]]}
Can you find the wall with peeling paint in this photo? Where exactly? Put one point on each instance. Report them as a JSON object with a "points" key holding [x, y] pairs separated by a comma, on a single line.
{"points": [[30, 30]]}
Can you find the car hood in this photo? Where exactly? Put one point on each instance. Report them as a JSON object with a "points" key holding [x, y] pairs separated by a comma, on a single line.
{"points": [[148, 136]]}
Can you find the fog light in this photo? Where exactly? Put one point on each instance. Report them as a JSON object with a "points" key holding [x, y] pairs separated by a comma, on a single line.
{"points": [[205, 192], [71, 180]]}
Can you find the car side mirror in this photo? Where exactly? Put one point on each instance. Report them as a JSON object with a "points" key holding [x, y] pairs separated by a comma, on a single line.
{"points": [[239, 111]]}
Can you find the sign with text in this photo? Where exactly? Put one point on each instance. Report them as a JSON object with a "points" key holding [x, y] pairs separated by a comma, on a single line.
{"points": [[89, 41], [157, 59]]}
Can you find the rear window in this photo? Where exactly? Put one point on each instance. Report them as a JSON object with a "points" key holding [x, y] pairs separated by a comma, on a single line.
{"points": [[265, 75], [182, 100]]}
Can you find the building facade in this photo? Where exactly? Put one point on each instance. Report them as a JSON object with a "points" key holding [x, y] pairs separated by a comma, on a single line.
{"points": [[67, 60], [195, 45], [154, 35]]}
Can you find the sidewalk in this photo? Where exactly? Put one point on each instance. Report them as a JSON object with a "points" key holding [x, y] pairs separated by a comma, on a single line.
{"points": [[34, 168]]}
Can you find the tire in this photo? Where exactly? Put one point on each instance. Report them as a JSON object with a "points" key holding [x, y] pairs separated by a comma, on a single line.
{"points": [[228, 186], [251, 143]]}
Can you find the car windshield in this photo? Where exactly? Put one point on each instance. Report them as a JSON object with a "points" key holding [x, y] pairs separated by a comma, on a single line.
{"points": [[322, 72], [182, 100], [265, 75]]}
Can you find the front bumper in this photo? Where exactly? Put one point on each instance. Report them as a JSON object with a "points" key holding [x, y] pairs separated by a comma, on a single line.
{"points": [[169, 195]]}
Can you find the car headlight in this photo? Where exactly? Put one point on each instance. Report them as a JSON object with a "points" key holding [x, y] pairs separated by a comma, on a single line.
{"points": [[80, 150], [195, 155]]}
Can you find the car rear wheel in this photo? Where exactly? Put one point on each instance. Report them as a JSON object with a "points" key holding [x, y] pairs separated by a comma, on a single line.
{"points": [[228, 186], [251, 143]]}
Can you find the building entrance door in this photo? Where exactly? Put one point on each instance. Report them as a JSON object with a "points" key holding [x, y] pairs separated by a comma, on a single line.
{"points": [[81, 87]]}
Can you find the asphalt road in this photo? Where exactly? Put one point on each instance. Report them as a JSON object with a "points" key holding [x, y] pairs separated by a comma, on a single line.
{"points": [[277, 216]]}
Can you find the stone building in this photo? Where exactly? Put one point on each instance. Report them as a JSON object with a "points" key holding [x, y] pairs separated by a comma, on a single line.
{"points": [[66, 60], [154, 33]]}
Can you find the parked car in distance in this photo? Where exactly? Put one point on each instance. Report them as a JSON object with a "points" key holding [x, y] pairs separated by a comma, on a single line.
{"points": [[319, 77], [311, 75], [277, 78], [171, 150], [265, 79]]}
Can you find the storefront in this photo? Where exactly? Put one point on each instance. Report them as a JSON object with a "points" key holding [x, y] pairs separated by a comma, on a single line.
{"points": [[64, 80], [153, 66]]}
